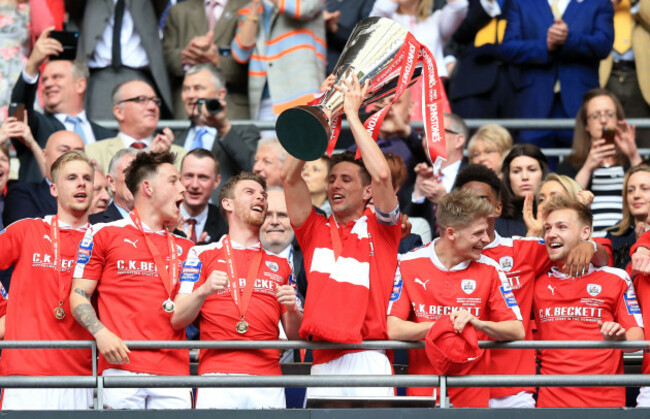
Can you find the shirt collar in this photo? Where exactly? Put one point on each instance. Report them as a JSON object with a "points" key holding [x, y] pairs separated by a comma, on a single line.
{"points": [[127, 140], [238, 246], [65, 226], [438, 264], [81, 115], [451, 170], [555, 271], [200, 219]]}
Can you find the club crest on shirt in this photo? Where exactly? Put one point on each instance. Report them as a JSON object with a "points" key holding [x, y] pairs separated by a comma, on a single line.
{"points": [[506, 263], [179, 249], [594, 289], [468, 285], [272, 265]]}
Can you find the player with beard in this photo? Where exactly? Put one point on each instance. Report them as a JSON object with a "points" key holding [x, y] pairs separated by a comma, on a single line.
{"points": [[238, 291], [449, 276], [134, 265], [43, 253], [600, 305]]}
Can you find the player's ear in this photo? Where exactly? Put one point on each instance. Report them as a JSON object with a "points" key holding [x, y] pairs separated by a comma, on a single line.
{"points": [[146, 188], [450, 233], [497, 210], [53, 190], [585, 234], [226, 204]]}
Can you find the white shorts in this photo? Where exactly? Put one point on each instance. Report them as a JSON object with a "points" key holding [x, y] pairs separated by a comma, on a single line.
{"points": [[523, 399], [239, 397], [145, 398], [47, 398], [354, 363], [643, 400]]}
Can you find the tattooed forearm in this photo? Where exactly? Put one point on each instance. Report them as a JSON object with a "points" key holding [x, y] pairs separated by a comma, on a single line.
{"points": [[85, 315], [83, 293]]}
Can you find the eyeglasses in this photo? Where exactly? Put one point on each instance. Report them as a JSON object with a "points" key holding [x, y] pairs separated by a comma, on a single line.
{"points": [[448, 131], [596, 116], [142, 100]]}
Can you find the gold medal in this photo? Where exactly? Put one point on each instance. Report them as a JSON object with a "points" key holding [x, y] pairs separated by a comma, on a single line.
{"points": [[242, 326], [169, 306], [59, 313]]}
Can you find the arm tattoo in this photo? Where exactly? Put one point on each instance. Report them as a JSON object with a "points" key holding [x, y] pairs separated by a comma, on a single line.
{"points": [[83, 293], [85, 315]]}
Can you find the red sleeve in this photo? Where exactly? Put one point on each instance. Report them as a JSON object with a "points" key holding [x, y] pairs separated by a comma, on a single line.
{"points": [[90, 255], [628, 311], [502, 302], [534, 250], [11, 239], [400, 302], [643, 241]]}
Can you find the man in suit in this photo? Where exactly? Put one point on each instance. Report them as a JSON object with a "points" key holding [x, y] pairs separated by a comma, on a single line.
{"points": [[477, 41], [430, 187], [555, 50], [122, 198], [119, 40], [198, 33], [233, 145], [269, 158], [626, 72], [202, 223], [33, 199], [137, 110], [64, 88]]}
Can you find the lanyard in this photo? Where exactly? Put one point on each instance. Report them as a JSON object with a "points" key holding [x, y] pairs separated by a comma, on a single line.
{"points": [[336, 238], [242, 304], [59, 313], [160, 265]]}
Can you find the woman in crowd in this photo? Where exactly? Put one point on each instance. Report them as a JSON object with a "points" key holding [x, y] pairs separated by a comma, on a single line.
{"points": [[553, 184], [315, 175], [488, 146], [598, 161], [523, 170], [636, 198]]}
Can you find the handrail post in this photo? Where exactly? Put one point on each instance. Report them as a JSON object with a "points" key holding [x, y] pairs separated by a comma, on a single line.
{"points": [[98, 396], [444, 401]]}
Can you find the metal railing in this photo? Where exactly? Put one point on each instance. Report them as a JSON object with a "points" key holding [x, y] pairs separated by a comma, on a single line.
{"points": [[99, 383]]}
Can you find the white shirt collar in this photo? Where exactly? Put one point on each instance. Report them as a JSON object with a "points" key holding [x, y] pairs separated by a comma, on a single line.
{"points": [[555, 271], [236, 245], [438, 264], [127, 140], [200, 219], [81, 115]]}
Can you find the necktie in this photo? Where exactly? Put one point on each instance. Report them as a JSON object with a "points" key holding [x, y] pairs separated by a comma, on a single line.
{"points": [[555, 9], [198, 138], [622, 27], [140, 145], [436, 229], [209, 10], [192, 223], [76, 126], [116, 56]]}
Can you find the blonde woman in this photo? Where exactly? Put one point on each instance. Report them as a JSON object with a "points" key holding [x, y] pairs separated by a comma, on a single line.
{"points": [[488, 146]]}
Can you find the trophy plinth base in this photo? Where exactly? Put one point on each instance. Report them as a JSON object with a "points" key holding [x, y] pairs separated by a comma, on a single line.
{"points": [[304, 132]]}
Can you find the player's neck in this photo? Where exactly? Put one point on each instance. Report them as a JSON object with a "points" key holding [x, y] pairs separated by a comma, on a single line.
{"points": [[446, 254], [150, 216], [244, 234], [194, 211], [73, 220], [344, 219]]}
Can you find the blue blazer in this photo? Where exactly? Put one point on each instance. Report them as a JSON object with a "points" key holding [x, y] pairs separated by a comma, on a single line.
{"points": [[590, 39]]}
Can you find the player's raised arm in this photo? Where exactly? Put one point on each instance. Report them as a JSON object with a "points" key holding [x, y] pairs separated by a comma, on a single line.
{"points": [[383, 194], [296, 191], [111, 346]]}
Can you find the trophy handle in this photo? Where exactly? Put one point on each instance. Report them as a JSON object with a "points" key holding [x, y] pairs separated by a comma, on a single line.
{"points": [[304, 131]]}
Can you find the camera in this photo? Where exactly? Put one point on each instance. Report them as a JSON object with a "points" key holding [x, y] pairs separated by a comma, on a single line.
{"points": [[211, 105]]}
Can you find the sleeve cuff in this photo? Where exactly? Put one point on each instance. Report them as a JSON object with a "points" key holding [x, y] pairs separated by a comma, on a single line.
{"points": [[29, 79], [491, 7], [415, 200]]}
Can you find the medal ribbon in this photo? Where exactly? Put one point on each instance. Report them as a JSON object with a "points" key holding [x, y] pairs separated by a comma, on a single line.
{"points": [[55, 233], [336, 238], [242, 304], [160, 264]]}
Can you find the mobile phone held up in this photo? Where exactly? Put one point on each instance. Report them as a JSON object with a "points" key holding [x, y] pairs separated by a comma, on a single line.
{"points": [[17, 110], [69, 42], [608, 135]]}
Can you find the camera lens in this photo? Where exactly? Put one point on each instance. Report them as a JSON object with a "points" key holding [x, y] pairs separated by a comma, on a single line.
{"points": [[213, 106]]}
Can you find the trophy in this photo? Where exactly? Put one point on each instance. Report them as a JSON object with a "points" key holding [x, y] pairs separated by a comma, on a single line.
{"points": [[370, 53]]}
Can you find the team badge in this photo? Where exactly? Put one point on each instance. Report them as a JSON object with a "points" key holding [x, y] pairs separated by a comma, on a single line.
{"points": [[506, 263], [85, 250], [272, 265], [594, 289], [468, 285], [179, 249], [191, 270], [397, 289]]}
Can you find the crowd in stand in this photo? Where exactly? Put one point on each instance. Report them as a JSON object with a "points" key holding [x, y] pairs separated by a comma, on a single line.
{"points": [[215, 232]]}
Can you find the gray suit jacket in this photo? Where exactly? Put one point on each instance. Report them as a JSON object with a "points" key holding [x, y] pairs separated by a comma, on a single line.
{"points": [[187, 20], [98, 14]]}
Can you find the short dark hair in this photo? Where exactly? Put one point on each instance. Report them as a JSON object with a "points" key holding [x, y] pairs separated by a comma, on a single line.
{"points": [[479, 173], [348, 156], [228, 189], [202, 153], [144, 165]]}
